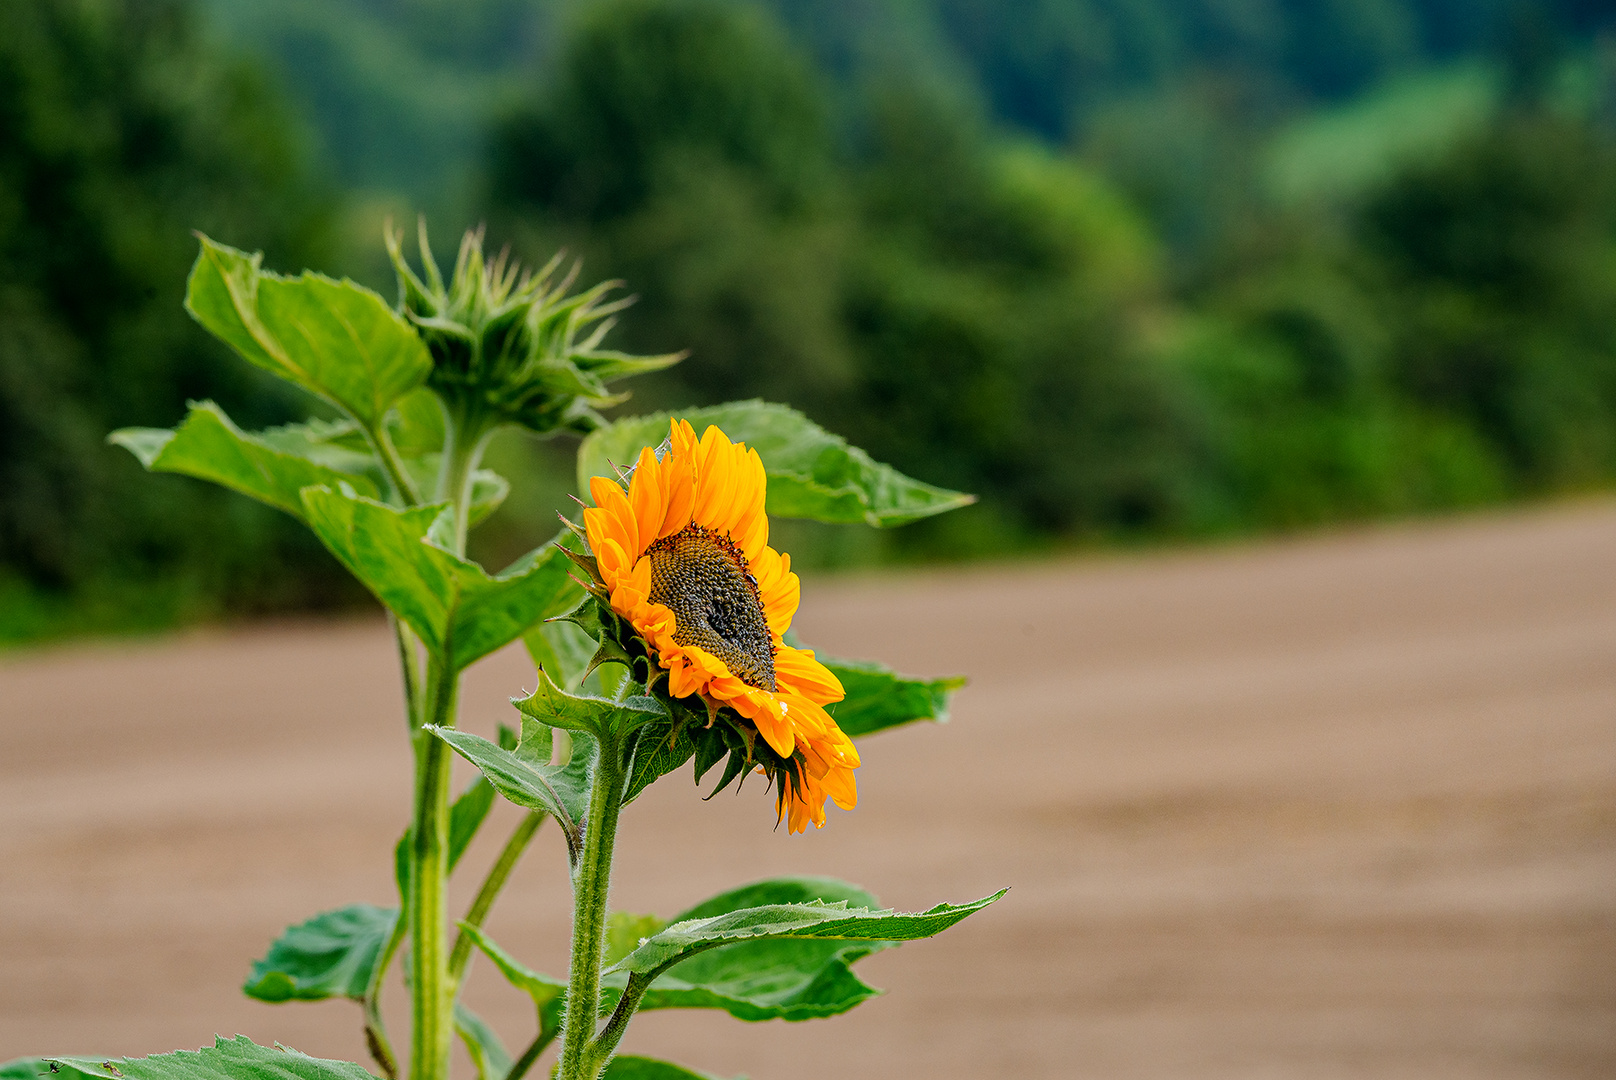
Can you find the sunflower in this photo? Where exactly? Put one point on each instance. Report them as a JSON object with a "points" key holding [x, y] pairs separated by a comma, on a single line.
{"points": [[684, 556]]}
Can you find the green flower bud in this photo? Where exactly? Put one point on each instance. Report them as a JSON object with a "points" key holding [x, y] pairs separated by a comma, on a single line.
{"points": [[511, 346]]}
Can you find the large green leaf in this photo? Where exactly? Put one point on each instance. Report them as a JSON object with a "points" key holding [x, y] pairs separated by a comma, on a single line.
{"points": [[330, 955], [450, 602], [335, 339], [208, 446], [786, 979], [878, 699], [815, 920], [24, 1069], [632, 1067], [812, 473], [227, 1059], [487, 1053], [526, 777]]}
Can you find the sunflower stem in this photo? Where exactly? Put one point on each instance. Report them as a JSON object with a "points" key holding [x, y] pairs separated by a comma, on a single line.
{"points": [[464, 442], [431, 990], [590, 887]]}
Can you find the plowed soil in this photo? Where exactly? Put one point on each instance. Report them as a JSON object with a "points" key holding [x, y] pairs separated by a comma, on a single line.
{"points": [[1332, 807]]}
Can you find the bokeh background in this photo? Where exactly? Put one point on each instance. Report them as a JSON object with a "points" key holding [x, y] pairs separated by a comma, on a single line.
{"points": [[1130, 270], [1160, 280]]}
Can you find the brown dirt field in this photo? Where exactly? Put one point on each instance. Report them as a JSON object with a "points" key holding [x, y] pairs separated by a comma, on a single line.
{"points": [[1336, 807]]}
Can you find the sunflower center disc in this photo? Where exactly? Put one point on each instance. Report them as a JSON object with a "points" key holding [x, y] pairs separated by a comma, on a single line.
{"points": [[702, 578]]}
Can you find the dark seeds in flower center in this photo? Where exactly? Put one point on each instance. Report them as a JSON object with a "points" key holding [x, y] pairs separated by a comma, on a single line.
{"points": [[702, 578]]}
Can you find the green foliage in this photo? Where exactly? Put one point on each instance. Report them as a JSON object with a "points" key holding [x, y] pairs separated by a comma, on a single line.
{"points": [[209, 446], [812, 473], [878, 699], [631, 1067], [526, 777], [454, 605], [226, 1059], [24, 1069], [483, 1044], [330, 955], [810, 921], [335, 339], [761, 979]]}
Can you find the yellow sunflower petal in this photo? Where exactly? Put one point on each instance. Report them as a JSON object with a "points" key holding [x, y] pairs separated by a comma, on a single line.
{"points": [[798, 669]]}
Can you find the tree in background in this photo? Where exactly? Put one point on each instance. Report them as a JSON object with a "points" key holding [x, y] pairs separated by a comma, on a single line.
{"points": [[119, 134], [915, 280]]}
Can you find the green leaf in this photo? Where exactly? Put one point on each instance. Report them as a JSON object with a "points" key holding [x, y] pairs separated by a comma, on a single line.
{"points": [[330, 955], [632, 1067], [624, 931], [554, 707], [546, 992], [227, 1059], [562, 649], [487, 1053], [878, 699], [336, 339], [24, 1069], [208, 446], [812, 473], [815, 920], [450, 602], [750, 980], [524, 777]]}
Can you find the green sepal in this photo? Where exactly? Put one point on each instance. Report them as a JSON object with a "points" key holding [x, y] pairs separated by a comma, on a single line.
{"points": [[227, 1059], [836, 921], [878, 699], [634, 1067], [811, 473], [329, 955], [335, 339], [483, 1046], [524, 777], [208, 446], [451, 603]]}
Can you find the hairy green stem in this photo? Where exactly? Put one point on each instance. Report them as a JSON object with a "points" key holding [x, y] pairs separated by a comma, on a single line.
{"points": [[431, 992], [466, 439], [393, 465], [492, 884], [590, 886], [602, 1046]]}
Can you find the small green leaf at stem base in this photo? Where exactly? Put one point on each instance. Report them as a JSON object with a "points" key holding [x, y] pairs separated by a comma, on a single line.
{"points": [[227, 1059], [812, 473], [329, 955]]}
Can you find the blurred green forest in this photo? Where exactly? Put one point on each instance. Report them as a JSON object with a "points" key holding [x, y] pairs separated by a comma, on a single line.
{"points": [[1129, 269]]}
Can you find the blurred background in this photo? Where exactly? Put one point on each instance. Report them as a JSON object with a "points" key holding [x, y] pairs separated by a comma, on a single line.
{"points": [[1132, 271], [1223, 308]]}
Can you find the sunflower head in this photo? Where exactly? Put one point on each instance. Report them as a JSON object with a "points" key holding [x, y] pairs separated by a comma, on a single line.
{"points": [[511, 346], [693, 598]]}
